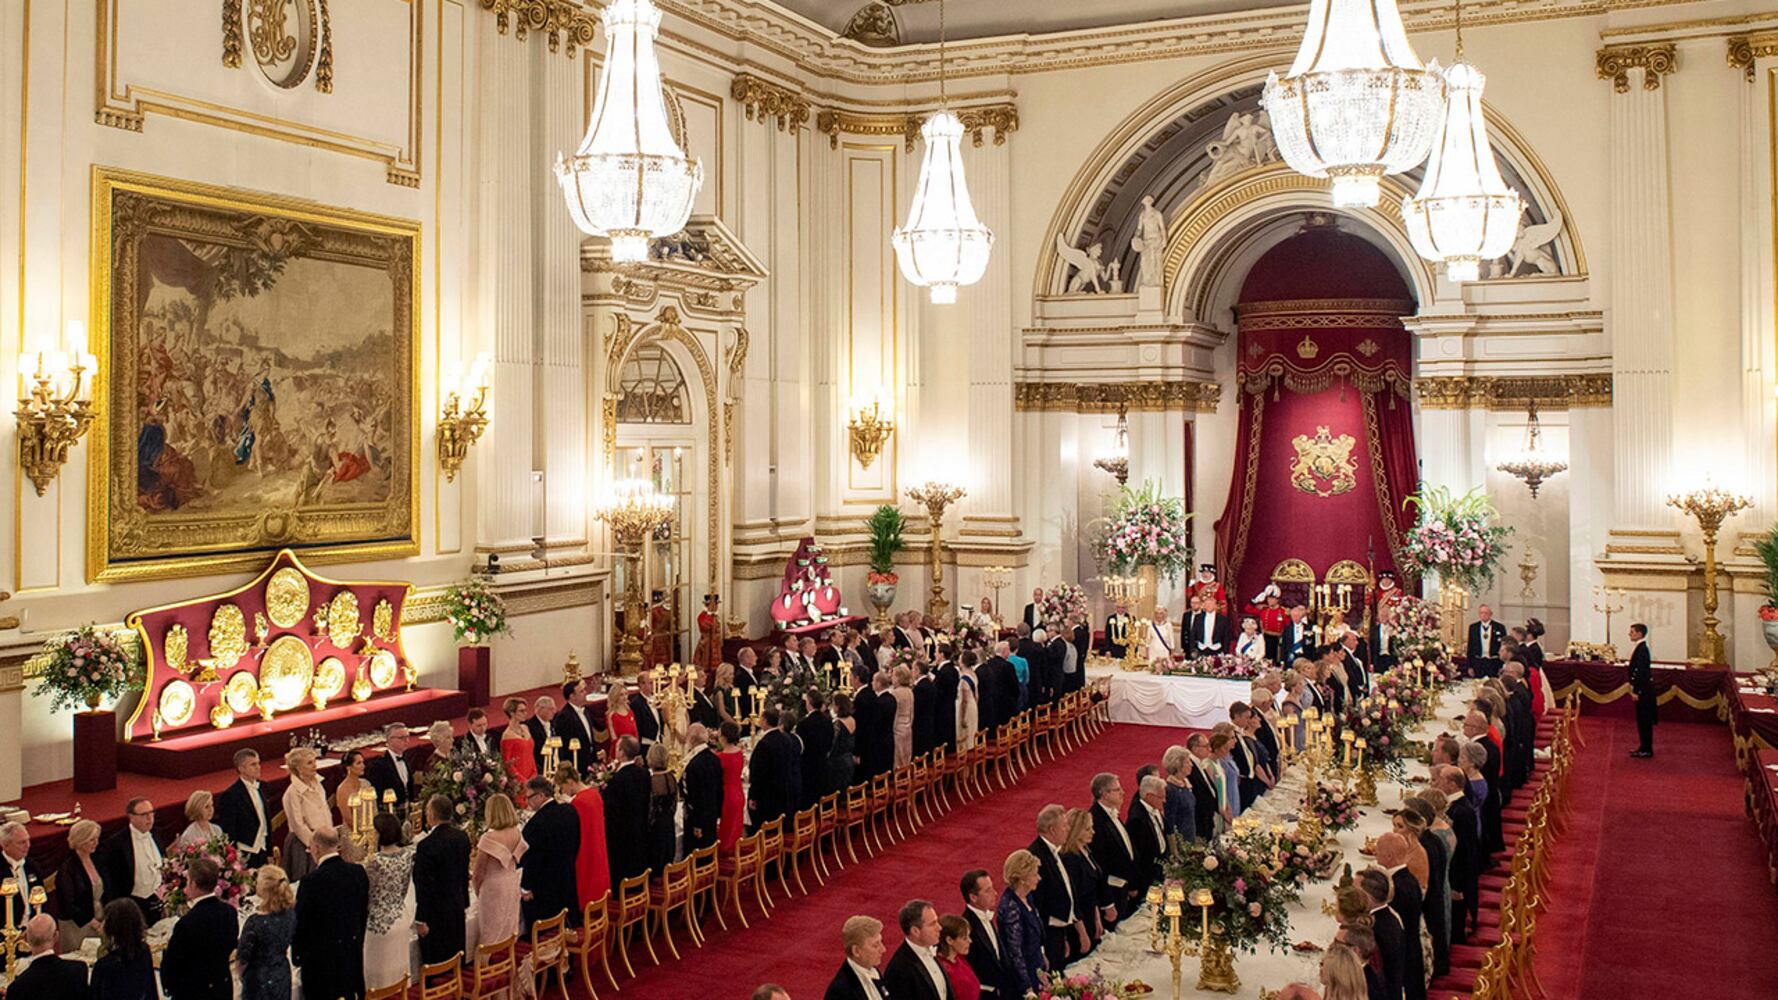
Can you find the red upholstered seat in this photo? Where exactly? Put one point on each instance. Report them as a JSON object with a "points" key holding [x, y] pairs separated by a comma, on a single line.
{"points": [[1458, 979]]}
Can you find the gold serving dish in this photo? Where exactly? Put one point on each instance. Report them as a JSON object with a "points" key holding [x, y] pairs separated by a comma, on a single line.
{"points": [[287, 597], [241, 692], [342, 619], [177, 701], [383, 668], [330, 678], [228, 636], [286, 671]]}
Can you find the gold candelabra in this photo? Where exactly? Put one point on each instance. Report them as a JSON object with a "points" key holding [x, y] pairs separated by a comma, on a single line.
{"points": [[1710, 505], [635, 510], [1167, 934], [869, 430], [364, 817], [12, 937], [672, 697], [997, 578], [552, 756], [1603, 598], [55, 406], [465, 416], [1326, 600], [937, 496]]}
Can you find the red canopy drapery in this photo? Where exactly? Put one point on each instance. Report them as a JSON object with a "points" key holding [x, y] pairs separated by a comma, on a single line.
{"points": [[1325, 449]]}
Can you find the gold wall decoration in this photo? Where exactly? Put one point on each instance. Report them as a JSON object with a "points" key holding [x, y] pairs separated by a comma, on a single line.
{"points": [[175, 645], [1110, 397], [224, 395], [554, 19], [1744, 50], [324, 57], [1614, 63], [1490, 392], [288, 40], [285, 673], [342, 619], [287, 597], [177, 699], [761, 99], [228, 636], [382, 621], [231, 33], [1324, 466], [1002, 118]]}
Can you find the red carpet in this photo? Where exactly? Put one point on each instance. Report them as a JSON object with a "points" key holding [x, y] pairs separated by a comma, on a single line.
{"points": [[1658, 887], [799, 947]]}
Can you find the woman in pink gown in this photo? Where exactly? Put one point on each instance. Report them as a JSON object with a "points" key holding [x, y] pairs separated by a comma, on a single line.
{"points": [[592, 872], [734, 798], [496, 872], [515, 742]]}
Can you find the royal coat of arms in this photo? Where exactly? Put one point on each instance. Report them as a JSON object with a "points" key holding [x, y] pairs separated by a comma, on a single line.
{"points": [[1324, 464]]}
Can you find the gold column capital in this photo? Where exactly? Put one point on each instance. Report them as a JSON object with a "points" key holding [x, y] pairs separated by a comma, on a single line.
{"points": [[1655, 59], [1744, 50], [1003, 118], [761, 98], [1115, 397], [1494, 392], [553, 18]]}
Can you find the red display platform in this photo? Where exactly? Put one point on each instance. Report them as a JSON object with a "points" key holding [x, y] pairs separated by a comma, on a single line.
{"points": [[191, 754]]}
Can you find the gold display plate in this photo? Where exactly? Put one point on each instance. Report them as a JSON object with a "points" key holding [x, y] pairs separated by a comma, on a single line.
{"points": [[330, 678], [286, 671], [342, 619], [383, 668], [241, 692], [228, 636], [287, 597], [177, 701]]}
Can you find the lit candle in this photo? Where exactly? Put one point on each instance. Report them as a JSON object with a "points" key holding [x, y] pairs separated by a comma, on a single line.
{"points": [[8, 889]]}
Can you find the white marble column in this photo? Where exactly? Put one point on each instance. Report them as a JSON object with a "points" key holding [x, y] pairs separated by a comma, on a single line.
{"points": [[986, 308], [1641, 304], [1757, 279], [564, 450]]}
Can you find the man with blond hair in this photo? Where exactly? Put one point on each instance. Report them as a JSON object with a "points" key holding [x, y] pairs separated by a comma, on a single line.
{"points": [[857, 979], [1054, 896]]}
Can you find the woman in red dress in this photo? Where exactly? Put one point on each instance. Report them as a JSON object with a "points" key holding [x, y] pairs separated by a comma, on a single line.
{"points": [[592, 873], [515, 741], [734, 800], [619, 721], [953, 957]]}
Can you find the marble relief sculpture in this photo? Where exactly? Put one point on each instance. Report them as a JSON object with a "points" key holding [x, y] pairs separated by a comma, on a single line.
{"points": [[1150, 244], [1246, 142], [1531, 253]]}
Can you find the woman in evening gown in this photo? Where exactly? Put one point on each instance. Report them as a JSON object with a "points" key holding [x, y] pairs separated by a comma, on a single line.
{"points": [[262, 955], [496, 878], [841, 760], [592, 872], [903, 692], [389, 931], [515, 742], [734, 799], [618, 717], [968, 702]]}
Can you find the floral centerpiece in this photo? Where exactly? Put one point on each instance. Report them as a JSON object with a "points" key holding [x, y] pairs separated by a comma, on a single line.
{"points": [[972, 631], [475, 611], [88, 665], [1417, 624], [467, 779], [1249, 900], [1459, 538], [1063, 603], [1299, 858], [1053, 985], [1384, 718], [1226, 666], [234, 885], [1334, 806], [1145, 529], [785, 692]]}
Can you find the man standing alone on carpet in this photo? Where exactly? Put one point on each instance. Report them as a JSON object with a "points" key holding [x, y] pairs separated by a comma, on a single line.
{"points": [[1642, 684], [1485, 637]]}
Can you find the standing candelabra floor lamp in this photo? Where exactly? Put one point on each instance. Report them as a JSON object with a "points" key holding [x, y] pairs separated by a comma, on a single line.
{"points": [[937, 496], [1710, 505], [635, 510]]}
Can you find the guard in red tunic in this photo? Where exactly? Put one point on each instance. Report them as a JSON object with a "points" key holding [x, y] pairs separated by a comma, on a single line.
{"points": [[1268, 607], [709, 651], [660, 633], [1206, 583], [1385, 593]]}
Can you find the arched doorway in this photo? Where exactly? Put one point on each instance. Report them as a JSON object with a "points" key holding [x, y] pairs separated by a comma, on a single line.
{"points": [[657, 441]]}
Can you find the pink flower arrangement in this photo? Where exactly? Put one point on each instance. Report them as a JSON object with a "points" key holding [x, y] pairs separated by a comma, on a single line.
{"points": [[231, 888], [89, 664], [1460, 538], [1054, 985], [475, 611], [1146, 529]]}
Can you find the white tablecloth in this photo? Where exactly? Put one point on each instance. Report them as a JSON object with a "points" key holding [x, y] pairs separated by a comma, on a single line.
{"points": [[1125, 954], [1197, 702]]}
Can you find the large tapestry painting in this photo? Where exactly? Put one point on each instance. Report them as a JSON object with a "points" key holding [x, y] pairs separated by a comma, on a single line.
{"points": [[259, 380]]}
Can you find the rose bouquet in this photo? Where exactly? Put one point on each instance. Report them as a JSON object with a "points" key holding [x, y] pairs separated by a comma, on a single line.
{"points": [[234, 885], [1417, 625], [1298, 859], [1145, 529], [1052, 985], [475, 611], [1226, 666], [1063, 603], [89, 664], [468, 779], [1459, 538], [1249, 900], [1334, 807]]}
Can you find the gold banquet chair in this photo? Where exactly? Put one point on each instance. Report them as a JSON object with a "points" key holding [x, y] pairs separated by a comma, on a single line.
{"points": [[442, 980], [881, 799], [674, 892], [706, 883], [632, 912], [771, 852], [549, 953], [828, 830], [804, 839], [735, 872], [394, 991], [594, 942], [901, 799], [856, 816], [496, 969], [920, 788]]}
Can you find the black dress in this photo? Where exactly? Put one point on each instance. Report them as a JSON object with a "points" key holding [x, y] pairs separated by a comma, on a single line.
{"points": [[839, 759], [123, 977], [262, 949], [663, 804]]}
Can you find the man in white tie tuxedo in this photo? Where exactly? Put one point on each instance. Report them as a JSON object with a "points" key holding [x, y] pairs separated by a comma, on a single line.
{"points": [[913, 972], [857, 979], [985, 954], [477, 739], [1485, 637], [15, 850], [1211, 631]]}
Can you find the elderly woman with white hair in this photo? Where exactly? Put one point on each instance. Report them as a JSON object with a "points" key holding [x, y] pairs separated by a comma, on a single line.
{"points": [[306, 810], [200, 809]]}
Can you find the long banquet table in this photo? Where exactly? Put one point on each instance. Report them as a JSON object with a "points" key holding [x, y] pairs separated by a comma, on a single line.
{"points": [[1686, 692], [1146, 699]]}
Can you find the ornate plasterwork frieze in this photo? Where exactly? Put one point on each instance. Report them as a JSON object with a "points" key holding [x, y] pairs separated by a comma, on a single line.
{"points": [[1657, 59], [1002, 118], [1513, 392], [554, 19], [1110, 397], [762, 99], [1744, 50]]}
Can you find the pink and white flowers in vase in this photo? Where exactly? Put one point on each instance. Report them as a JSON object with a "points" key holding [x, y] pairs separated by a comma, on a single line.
{"points": [[83, 667], [1145, 529], [475, 611], [1459, 538]]}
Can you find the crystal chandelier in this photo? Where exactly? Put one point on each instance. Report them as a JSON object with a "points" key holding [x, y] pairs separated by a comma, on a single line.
{"points": [[629, 180], [1117, 460], [1357, 103], [1533, 465], [943, 244], [1464, 213]]}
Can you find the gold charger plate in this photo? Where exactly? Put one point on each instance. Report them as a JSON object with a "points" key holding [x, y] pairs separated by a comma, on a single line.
{"points": [[241, 692], [342, 619], [177, 701], [330, 678], [286, 670], [383, 668], [287, 597]]}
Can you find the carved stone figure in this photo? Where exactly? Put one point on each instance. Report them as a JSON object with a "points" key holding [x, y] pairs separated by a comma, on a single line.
{"points": [[1531, 253], [1150, 244], [1246, 142], [1087, 269], [874, 25]]}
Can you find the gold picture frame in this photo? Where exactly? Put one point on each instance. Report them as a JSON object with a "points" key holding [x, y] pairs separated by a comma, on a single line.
{"points": [[336, 474]]}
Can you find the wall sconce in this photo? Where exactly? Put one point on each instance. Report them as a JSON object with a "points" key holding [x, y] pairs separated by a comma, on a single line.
{"points": [[465, 416], [870, 428], [55, 405]]}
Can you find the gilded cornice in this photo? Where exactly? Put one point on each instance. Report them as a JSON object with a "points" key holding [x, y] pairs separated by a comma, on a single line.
{"points": [[762, 98], [1744, 50], [1656, 59], [553, 18], [1512, 392], [1002, 118], [1110, 397]]}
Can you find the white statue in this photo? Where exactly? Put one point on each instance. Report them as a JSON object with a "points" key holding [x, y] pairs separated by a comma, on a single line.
{"points": [[1246, 142], [1531, 249], [1150, 244], [1087, 269]]}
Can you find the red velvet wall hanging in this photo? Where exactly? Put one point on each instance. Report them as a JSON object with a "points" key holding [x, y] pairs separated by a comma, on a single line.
{"points": [[1324, 450]]}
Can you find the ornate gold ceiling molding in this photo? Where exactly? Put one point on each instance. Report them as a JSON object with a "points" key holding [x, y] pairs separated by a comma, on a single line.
{"points": [[762, 98], [1510, 392], [1002, 118], [555, 19], [1110, 397], [1744, 50], [1657, 59]]}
